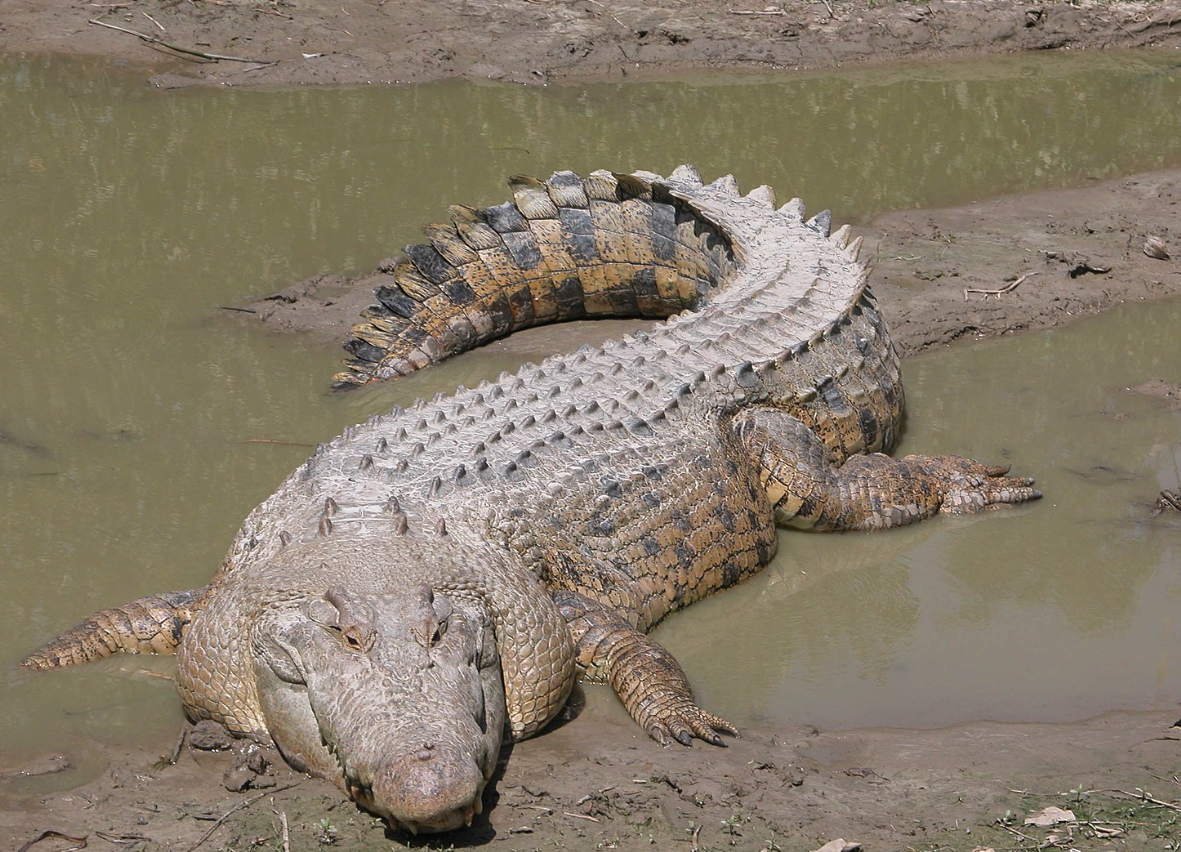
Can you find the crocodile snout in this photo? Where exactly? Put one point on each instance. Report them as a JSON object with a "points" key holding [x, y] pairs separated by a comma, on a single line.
{"points": [[432, 787]]}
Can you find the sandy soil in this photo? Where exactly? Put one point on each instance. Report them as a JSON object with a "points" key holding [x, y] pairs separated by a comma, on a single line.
{"points": [[595, 783]]}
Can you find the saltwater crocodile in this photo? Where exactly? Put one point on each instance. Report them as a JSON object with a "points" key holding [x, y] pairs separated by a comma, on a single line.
{"points": [[440, 573]]}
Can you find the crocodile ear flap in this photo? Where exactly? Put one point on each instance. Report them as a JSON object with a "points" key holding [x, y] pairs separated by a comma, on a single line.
{"points": [[273, 647]]}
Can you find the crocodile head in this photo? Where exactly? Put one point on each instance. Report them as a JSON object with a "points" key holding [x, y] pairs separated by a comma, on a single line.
{"points": [[396, 697]]}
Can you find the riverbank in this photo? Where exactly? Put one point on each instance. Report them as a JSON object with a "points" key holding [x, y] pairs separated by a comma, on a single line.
{"points": [[298, 42]]}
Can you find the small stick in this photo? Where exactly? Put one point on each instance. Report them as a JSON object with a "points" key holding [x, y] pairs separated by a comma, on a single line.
{"points": [[177, 48], [581, 816], [831, 13], [79, 842], [237, 808], [153, 20], [120, 838], [1015, 831], [180, 743], [1140, 794], [608, 11], [696, 834], [1008, 288], [776, 12], [286, 834]]}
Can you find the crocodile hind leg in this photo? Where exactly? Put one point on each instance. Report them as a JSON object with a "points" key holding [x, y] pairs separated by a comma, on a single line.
{"points": [[646, 677], [810, 488], [150, 625]]}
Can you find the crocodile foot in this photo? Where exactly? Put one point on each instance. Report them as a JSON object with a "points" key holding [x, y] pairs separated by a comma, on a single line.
{"points": [[675, 717]]}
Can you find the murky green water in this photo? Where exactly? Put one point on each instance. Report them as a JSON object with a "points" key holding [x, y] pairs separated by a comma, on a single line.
{"points": [[141, 422]]}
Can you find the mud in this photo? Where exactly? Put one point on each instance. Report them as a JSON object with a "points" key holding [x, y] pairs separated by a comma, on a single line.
{"points": [[943, 276], [284, 42]]}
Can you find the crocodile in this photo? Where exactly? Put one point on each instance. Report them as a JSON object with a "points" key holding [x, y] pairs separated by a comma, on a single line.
{"points": [[440, 575]]}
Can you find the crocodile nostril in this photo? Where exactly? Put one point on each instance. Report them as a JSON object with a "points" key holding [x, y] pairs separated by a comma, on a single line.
{"points": [[426, 752]]}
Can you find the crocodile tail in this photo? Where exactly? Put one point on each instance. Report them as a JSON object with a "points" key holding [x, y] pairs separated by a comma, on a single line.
{"points": [[607, 245], [150, 625]]}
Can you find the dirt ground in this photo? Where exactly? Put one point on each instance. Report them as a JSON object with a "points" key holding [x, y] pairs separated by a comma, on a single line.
{"points": [[594, 782], [282, 42]]}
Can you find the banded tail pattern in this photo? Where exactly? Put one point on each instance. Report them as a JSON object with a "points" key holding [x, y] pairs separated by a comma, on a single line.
{"points": [[608, 245]]}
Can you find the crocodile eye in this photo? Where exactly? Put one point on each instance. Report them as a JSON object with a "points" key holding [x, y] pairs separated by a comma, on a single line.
{"points": [[352, 639], [347, 618]]}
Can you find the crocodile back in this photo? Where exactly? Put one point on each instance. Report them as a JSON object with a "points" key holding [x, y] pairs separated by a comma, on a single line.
{"points": [[772, 310]]}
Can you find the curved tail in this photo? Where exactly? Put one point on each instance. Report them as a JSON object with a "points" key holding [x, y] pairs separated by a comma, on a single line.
{"points": [[150, 625], [608, 245]]}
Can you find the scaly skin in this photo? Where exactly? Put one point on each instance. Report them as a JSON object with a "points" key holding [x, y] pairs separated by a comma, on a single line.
{"points": [[438, 570]]}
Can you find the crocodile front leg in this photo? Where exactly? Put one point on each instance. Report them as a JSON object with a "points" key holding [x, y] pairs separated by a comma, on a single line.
{"points": [[646, 677], [810, 488]]}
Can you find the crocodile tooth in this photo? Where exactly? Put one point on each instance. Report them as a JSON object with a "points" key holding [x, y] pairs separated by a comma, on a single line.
{"points": [[468, 813], [478, 805]]}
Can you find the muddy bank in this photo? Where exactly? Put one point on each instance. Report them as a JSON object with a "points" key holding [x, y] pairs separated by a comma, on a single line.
{"points": [[595, 784], [984, 269], [283, 42]]}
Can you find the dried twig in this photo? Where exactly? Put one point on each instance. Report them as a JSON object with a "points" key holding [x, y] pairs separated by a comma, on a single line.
{"points": [[152, 39], [237, 808], [120, 838], [775, 12], [1015, 831], [174, 756], [286, 833], [696, 834], [581, 816], [609, 12], [1008, 288], [153, 20], [79, 842], [1144, 797]]}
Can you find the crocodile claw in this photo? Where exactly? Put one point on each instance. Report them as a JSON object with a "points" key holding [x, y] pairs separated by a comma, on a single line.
{"points": [[684, 721], [973, 486]]}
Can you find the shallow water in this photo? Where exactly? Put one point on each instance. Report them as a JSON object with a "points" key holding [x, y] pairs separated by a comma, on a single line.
{"points": [[141, 422]]}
